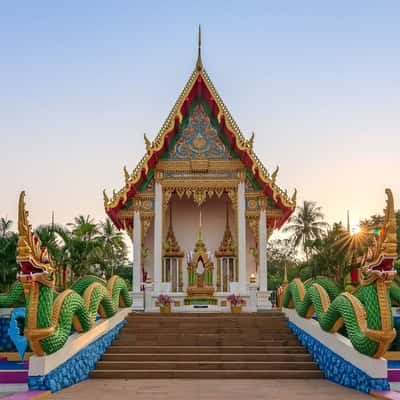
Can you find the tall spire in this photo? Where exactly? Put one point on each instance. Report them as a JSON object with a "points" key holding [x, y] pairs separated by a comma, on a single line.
{"points": [[227, 215], [285, 279], [200, 235], [199, 63], [348, 221]]}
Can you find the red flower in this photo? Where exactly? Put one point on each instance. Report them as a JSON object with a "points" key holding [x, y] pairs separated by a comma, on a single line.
{"points": [[236, 300], [164, 300]]}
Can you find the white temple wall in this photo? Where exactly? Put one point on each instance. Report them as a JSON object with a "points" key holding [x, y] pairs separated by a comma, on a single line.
{"points": [[250, 260]]}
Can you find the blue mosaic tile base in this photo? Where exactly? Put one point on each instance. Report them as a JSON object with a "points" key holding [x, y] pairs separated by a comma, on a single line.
{"points": [[76, 368], [5, 341], [337, 369]]}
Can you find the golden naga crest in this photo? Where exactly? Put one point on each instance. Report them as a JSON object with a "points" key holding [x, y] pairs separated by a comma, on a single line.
{"points": [[32, 257], [385, 249]]}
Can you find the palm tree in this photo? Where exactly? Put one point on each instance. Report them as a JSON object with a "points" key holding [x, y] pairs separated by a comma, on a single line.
{"points": [[114, 248], [8, 249], [306, 225], [5, 226], [84, 227], [8, 264]]}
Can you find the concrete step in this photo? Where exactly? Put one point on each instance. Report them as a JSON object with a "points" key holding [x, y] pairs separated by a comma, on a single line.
{"points": [[207, 374], [206, 340], [188, 315], [206, 346], [155, 349], [206, 357], [251, 334], [284, 329], [205, 365]]}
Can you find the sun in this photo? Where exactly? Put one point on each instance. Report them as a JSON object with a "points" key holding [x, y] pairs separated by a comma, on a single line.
{"points": [[355, 229]]}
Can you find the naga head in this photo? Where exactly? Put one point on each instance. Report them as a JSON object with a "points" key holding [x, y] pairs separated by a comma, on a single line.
{"points": [[385, 249], [33, 258]]}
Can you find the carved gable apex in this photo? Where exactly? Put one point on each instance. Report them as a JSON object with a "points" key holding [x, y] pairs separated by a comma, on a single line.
{"points": [[198, 139]]}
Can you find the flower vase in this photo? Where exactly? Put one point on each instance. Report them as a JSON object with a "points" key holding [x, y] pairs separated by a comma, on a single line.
{"points": [[236, 309], [165, 309]]}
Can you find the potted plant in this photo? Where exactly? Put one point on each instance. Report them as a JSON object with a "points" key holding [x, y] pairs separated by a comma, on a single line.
{"points": [[165, 301], [236, 303]]}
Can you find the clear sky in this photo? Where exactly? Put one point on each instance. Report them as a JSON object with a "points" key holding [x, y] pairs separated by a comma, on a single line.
{"points": [[318, 83]]}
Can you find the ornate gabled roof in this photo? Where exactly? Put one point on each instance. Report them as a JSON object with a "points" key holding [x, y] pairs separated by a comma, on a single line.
{"points": [[199, 85]]}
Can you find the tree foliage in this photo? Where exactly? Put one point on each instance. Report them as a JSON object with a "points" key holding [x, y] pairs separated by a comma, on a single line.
{"points": [[81, 247], [307, 224], [8, 250]]}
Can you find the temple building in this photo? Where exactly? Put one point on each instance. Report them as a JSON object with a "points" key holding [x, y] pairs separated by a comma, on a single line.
{"points": [[200, 207]]}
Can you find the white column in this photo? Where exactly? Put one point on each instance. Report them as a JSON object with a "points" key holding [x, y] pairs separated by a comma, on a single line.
{"points": [[262, 249], [157, 237], [241, 204], [137, 251], [137, 295]]}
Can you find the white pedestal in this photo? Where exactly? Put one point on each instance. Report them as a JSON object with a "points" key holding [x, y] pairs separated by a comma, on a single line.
{"points": [[148, 293], [252, 303], [263, 302], [138, 301]]}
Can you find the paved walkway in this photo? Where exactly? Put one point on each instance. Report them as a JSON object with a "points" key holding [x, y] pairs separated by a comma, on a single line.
{"points": [[201, 389]]}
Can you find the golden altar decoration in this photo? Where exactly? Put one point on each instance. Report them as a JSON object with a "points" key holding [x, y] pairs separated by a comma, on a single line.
{"points": [[172, 259], [200, 268], [227, 267]]}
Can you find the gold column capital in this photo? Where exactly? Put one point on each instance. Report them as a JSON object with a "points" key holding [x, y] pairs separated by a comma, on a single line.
{"points": [[137, 204], [262, 202], [158, 176], [242, 176]]}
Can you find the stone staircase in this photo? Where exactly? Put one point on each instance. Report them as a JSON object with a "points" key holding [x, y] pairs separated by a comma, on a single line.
{"points": [[206, 346]]}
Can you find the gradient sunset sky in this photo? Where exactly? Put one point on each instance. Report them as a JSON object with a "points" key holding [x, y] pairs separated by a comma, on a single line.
{"points": [[318, 83]]}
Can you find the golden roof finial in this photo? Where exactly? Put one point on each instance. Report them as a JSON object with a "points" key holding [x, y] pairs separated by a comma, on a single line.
{"points": [[105, 197], [294, 197], [250, 142], [275, 174], [126, 173], [199, 63], [147, 141]]}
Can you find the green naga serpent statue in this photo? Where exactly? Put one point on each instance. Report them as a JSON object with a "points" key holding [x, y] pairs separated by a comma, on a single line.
{"points": [[365, 314], [50, 315], [14, 297]]}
